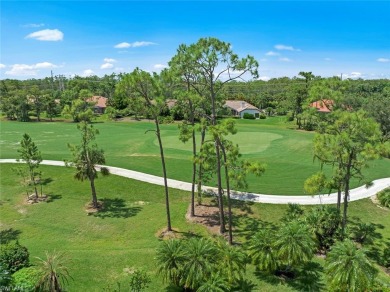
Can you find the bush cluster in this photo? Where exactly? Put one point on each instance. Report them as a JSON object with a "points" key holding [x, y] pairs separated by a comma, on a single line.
{"points": [[14, 256], [384, 197]]}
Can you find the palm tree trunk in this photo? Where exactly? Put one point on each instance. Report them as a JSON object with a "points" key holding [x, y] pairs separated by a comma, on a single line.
{"points": [[169, 227]]}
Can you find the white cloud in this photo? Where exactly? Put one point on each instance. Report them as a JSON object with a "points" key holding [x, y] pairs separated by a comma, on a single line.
{"points": [[109, 60], [88, 72], [353, 75], [122, 45], [285, 48], [285, 60], [106, 66], [2, 66], [33, 25], [383, 60], [264, 78], [271, 53], [160, 66], [47, 35], [44, 65], [21, 70], [136, 44], [29, 70]]}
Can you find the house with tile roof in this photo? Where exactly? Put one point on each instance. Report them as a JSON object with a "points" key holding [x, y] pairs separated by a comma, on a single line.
{"points": [[323, 105], [99, 104], [239, 108]]}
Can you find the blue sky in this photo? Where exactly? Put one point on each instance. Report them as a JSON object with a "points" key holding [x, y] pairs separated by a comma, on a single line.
{"points": [[286, 37]]}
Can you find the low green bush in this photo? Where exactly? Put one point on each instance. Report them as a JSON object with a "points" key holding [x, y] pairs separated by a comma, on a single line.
{"points": [[26, 279], [384, 197], [262, 116], [248, 116], [14, 256]]}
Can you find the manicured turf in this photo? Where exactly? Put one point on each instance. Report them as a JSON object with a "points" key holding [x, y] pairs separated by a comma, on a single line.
{"points": [[287, 152], [124, 234]]}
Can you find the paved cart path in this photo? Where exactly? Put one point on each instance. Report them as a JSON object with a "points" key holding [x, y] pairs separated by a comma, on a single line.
{"points": [[355, 194]]}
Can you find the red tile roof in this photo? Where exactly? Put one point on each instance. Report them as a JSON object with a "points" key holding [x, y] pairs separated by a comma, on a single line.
{"points": [[323, 105], [99, 100]]}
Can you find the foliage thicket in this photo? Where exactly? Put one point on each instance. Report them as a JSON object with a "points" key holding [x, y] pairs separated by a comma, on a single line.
{"points": [[14, 256]]}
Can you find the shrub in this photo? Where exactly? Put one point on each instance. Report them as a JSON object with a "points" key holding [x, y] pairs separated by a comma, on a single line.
{"points": [[139, 281], [26, 279], [5, 277], [384, 197], [14, 256], [262, 116], [248, 116]]}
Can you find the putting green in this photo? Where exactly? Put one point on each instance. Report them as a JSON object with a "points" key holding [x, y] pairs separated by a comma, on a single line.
{"points": [[249, 142]]}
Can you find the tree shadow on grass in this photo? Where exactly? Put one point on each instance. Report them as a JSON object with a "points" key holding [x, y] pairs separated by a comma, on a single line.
{"points": [[51, 198], [46, 181], [243, 206], [307, 278], [8, 235], [245, 226], [116, 208]]}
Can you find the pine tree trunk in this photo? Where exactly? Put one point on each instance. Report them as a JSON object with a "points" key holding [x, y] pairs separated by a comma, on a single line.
{"points": [[230, 222], [93, 190], [193, 163], [169, 227], [200, 173], [339, 197]]}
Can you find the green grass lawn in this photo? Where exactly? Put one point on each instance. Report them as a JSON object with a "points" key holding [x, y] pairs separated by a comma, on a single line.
{"points": [[123, 235], [287, 152]]}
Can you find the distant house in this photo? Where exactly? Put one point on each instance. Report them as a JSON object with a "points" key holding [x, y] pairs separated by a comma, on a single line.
{"points": [[323, 105], [171, 103], [100, 104], [240, 107]]}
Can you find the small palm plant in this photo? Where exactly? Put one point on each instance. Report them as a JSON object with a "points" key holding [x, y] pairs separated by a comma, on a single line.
{"points": [[348, 269], [262, 250], [294, 244], [170, 259], [200, 257], [54, 273]]}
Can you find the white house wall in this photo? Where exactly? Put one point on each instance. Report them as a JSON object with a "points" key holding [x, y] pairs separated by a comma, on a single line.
{"points": [[249, 111]]}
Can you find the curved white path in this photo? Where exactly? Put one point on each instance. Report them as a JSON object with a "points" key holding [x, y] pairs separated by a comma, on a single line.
{"points": [[355, 194]]}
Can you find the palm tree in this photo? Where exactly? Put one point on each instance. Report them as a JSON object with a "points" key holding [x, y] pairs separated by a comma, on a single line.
{"points": [[200, 256], [54, 273], [294, 244], [262, 250], [232, 261], [348, 269], [215, 283], [170, 259]]}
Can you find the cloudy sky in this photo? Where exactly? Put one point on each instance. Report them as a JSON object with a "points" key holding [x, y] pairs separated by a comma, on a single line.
{"points": [[100, 37]]}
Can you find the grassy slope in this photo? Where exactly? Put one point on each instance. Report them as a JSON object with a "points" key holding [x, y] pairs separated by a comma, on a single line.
{"points": [[124, 235], [287, 153]]}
